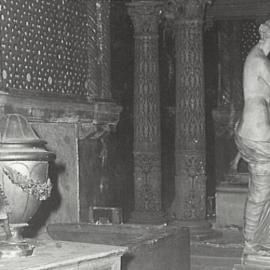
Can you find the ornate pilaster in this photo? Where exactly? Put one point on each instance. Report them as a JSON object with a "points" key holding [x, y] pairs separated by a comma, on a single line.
{"points": [[92, 78], [98, 81], [103, 39], [190, 154], [147, 156]]}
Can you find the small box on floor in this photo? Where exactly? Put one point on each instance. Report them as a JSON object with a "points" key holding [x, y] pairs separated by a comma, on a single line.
{"points": [[105, 215]]}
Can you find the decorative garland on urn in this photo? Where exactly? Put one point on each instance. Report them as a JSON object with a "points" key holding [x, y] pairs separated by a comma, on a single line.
{"points": [[39, 191], [4, 205]]}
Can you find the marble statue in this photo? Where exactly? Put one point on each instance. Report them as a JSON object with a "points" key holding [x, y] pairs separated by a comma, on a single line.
{"points": [[252, 137]]}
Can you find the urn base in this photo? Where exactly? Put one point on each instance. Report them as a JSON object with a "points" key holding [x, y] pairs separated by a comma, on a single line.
{"points": [[10, 250]]}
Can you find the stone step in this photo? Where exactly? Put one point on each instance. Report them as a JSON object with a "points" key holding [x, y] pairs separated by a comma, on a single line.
{"points": [[213, 262], [217, 254]]}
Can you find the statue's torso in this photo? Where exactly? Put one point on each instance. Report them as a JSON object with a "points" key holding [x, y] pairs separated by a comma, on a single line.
{"points": [[255, 124], [255, 121]]}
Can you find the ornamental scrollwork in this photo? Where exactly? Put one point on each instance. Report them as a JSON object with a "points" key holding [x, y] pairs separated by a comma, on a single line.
{"points": [[195, 175], [146, 162], [194, 166]]}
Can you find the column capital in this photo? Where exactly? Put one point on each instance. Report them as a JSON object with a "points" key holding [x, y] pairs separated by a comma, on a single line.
{"points": [[186, 9], [144, 15]]}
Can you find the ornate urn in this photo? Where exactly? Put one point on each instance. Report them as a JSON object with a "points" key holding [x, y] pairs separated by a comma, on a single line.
{"points": [[24, 181]]}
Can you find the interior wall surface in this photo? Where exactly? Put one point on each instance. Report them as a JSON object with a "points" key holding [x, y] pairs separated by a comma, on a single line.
{"points": [[50, 73]]}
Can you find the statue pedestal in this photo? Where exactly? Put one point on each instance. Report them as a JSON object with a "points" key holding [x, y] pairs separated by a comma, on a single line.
{"points": [[230, 202]]}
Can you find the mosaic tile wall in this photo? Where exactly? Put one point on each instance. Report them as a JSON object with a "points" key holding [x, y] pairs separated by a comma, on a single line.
{"points": [[49, 47]]}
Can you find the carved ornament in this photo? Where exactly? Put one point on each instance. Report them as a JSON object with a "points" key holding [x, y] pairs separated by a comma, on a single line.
{"points": [[147, 180], [145, 16], [41, 191], [93, 130], [192, 177]]}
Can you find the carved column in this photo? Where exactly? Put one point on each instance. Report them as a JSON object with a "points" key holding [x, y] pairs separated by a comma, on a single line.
{"points": [[147, 156], [190, 155]]}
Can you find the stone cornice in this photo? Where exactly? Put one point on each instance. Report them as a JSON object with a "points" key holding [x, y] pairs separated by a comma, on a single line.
{"points": [[238, 9], [95, 117], [51, 110]]}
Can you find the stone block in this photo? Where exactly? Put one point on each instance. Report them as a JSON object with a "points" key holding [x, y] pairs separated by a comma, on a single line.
{"points": [[52, 255], [150, 247]]}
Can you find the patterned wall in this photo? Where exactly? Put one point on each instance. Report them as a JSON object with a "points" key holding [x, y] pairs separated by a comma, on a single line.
{"points": [[250, 36], [45, 47]]}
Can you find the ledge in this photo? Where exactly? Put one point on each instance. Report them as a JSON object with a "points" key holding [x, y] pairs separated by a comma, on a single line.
{"points": [[232, 188], [44, 109]]}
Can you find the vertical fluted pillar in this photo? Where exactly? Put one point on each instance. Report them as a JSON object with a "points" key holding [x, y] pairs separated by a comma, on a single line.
{"points": [[190, 152], [147, 149], [104, 42]]}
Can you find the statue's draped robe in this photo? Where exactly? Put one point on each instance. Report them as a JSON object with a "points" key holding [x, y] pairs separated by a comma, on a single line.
{"points": [[257, 212]]}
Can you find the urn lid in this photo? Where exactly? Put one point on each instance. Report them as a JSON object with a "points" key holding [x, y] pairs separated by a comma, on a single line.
{"points": [[18, 140], [14, 128]]}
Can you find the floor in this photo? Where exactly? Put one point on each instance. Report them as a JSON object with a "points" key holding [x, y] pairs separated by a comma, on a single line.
{"points": [[219, 253]]}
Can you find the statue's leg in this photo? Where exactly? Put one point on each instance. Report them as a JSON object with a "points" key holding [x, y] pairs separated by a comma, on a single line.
{"points": [[258, 196]]}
